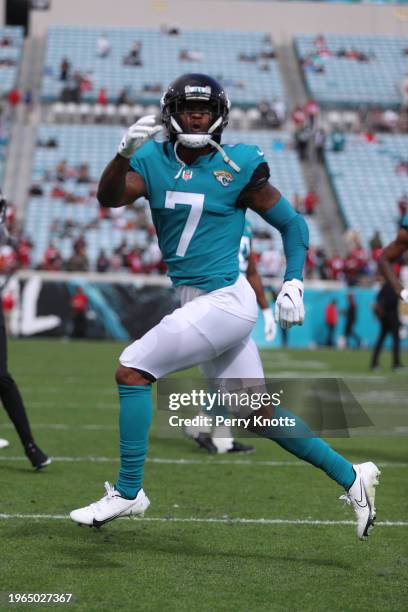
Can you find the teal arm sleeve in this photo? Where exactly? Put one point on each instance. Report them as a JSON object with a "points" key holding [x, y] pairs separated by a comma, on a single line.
{"points": [[295, 236]]}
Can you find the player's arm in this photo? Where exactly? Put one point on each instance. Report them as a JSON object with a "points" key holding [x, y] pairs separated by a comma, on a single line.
{"points": [[118, 184], [392, 253], [268, 202], [256, 283]]}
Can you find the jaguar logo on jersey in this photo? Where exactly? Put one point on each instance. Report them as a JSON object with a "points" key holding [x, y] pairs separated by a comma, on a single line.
{"points": [[187, 175], [223, 177]]}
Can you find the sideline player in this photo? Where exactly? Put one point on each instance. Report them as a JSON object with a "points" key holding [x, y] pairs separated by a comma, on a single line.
{"points": [[198, 192], [220, 440], [9, 393], [391, 253]]}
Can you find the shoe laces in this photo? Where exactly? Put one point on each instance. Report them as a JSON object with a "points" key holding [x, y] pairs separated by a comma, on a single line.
{"points": [[110, 493], [345, 498]]}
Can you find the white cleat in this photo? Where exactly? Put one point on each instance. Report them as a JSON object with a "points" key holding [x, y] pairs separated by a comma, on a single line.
{"points": [[111, 506], [4, 443], [361, 496]]}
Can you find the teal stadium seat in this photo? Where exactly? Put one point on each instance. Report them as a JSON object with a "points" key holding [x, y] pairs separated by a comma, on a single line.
{"points": [[350, 83], [367, 185], [247, 84]]}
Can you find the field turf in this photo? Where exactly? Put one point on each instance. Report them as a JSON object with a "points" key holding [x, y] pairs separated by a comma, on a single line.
{"points": [[223, 533]]}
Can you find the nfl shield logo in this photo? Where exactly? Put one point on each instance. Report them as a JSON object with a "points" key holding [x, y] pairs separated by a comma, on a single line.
{"points": [[187, 175]]}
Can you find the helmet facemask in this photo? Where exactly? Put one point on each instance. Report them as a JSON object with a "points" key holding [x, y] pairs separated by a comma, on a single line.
{"points": [[172, 108]]}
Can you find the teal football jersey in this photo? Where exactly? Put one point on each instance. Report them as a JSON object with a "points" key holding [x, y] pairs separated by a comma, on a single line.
{"points": [[198, 224], [245, 247]]}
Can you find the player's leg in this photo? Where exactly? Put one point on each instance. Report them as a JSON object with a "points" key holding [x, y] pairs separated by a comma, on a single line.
{"points": [[242, 363], [13, 404], [378, 345], [197, 331]]}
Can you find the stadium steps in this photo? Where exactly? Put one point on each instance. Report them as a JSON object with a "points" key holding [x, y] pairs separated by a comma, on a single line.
{"points": [[328, 217], [22, 143], [327, 213], [292, 79]]}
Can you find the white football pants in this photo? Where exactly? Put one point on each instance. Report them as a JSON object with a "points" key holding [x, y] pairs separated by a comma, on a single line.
{"points": [[210, 329]]}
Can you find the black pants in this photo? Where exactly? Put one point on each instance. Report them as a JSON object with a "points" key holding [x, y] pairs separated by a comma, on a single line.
{"points": [[349, 333], [330, 335], [389, 325], [79, 325], [10, 395]]}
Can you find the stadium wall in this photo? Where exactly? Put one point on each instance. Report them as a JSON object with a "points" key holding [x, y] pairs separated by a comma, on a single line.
{"points": [[124, 307], [283, 20]]}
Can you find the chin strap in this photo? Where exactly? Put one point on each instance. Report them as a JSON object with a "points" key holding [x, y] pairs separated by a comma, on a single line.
{"points": [[225, 157], [214, 144]]}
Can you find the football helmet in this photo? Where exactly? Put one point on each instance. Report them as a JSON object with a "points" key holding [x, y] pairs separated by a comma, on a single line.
{"points": [[199, 87]]}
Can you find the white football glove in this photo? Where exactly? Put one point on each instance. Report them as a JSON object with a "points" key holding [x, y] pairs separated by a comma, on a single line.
{"points": [[289, 308], [138, 133], [404, 296], [269, 325]]}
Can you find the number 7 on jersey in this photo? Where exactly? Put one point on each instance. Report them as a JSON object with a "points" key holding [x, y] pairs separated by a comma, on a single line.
{"points": [[196, 202]]}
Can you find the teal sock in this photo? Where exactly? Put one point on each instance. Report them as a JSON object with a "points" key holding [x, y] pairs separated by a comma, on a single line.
{"points": [[302, 443], [134, 423]]}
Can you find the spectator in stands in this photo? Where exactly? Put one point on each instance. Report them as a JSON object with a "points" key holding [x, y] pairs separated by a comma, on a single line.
{"points": [[268, 115], [65, 69], [169, 30], [28, 103], [331, 317], [310, 202], [134, 261], [302, 138], [52, 259], [102, 97], [279, 108], [102, 262], [190, 55], [103, 46], [83, 174], [79, 306], [133, 58], [298, 117], [336, 267], [6, 41], [337, 140], [124, 97], [402, 167], [319, 141], [311, 110], [61, 171], [14, 97], [78, 262]]}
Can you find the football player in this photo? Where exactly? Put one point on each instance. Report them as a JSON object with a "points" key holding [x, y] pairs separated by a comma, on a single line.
{"points": [[393, 252], [9, 393], [198, 191]]}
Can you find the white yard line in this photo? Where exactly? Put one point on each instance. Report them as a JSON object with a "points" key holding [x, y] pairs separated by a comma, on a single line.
{"points": [[170, 461], [223, 520]]}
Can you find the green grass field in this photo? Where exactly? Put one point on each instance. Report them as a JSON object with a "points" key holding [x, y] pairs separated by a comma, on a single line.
{"points": [[194, 550]]}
